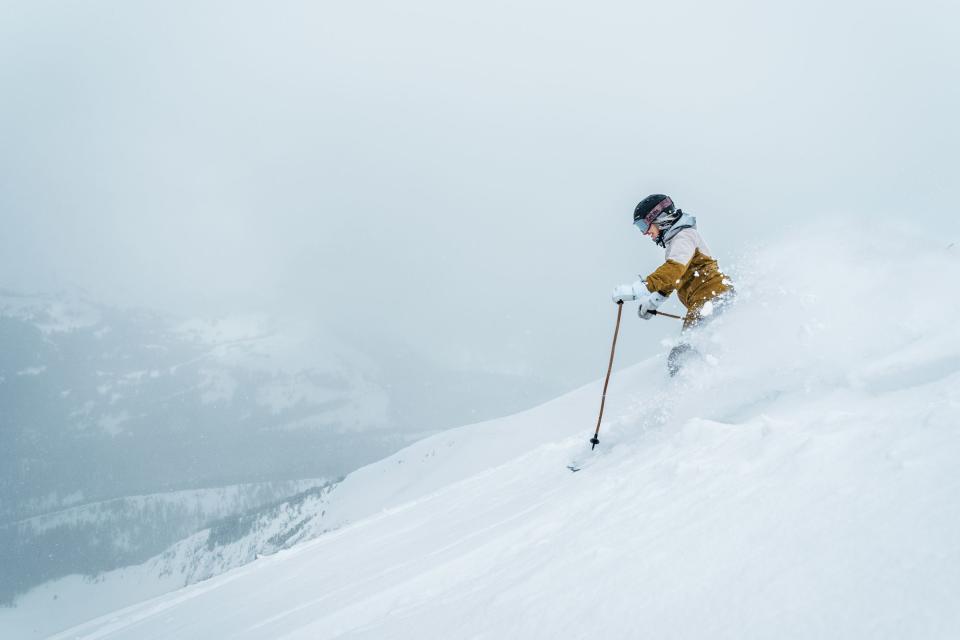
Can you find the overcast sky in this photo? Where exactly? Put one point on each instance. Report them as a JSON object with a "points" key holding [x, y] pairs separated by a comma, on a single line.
{"points": [[459, 176]]}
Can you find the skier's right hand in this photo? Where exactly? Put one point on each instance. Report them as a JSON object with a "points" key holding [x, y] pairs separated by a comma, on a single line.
{"points": [[628, 292], [649, 304]]}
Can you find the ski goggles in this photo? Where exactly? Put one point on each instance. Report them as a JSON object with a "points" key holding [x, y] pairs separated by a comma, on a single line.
{"points": [[644, 223]]}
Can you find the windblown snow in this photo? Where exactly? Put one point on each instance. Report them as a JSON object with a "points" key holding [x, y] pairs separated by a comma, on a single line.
{"points": [[799, 482]]}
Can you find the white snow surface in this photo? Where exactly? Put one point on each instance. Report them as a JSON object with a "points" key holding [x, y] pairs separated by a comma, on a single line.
{"points": [[799, 482]]}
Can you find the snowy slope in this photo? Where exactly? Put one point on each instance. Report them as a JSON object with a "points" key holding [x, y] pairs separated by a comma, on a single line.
{"points": [[800, 482]]}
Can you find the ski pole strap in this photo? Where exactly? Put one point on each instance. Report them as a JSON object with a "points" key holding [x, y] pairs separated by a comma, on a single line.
{"points": [[595, 440]]}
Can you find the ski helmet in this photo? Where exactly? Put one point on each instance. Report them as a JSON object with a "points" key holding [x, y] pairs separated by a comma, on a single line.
{"points": [[652, 208]]}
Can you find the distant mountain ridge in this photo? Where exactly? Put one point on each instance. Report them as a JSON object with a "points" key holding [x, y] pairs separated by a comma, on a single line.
{"points": [[98, 537], [100, 402]]}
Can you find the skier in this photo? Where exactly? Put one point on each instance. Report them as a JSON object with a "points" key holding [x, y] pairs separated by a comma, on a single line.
{"points": [[689, 269]]}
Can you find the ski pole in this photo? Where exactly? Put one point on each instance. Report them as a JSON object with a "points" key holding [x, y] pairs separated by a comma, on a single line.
{"points": [[595, 440], [665, 315]]}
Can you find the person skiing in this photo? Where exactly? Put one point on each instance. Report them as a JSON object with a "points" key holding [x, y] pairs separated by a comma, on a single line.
{"points": [[689, 269]]}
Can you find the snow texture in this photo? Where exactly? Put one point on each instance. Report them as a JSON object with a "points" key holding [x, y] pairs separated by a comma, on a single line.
{"points": [[799, 482]]}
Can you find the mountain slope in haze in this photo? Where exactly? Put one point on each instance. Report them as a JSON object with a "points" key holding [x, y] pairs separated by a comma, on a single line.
{"points": [[111, 416], [799, 482], [101, 402], [93, 538], [119, 426]]}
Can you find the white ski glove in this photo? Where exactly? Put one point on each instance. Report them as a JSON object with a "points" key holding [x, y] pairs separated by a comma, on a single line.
{"points": [[650, 303], [628, 292]]}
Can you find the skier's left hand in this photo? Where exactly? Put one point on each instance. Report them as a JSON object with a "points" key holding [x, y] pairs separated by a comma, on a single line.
{"points": [[650, 303]]}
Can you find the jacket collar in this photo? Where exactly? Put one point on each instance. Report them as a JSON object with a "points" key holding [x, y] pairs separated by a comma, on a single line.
{"points": [[686, 221]]}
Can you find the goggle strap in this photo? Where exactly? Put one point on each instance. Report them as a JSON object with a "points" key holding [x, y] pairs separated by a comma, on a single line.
{"points": [[657, 210]]}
